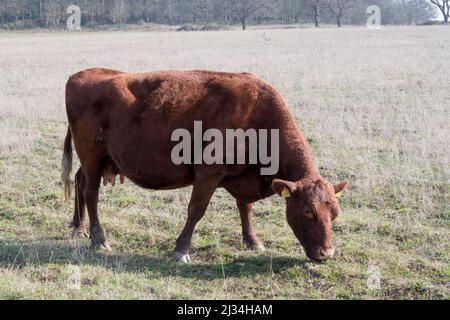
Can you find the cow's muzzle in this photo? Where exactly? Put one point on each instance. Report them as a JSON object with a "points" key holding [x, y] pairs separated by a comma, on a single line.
{"points": [[326, 253], [322, 253]]}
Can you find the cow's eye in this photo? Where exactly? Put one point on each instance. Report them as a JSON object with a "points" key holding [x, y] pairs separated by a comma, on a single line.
{"points": [[309, 214]]}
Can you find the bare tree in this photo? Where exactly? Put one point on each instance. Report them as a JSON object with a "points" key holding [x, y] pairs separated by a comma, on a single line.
{"points": [[290, 11], [245, 9], [200, 10], [52, 13], [339, 8], [444, 7], [415, 11], [119, 11], [312, 10]]}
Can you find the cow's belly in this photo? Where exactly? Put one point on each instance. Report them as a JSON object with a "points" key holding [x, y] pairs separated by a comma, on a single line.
{"points": [[144, 157], [155, 174], [159, 182]]}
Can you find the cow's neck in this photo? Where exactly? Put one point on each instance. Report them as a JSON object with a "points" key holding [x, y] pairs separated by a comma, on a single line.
{"points": [[296, 159]]}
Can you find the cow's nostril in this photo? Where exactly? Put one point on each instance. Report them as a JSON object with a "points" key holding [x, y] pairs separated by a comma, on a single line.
{"points": [[327, 253]]}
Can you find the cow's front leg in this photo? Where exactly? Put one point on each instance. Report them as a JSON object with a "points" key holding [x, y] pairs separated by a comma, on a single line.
{"points": [[93, 176], [79, 216], [249, 235], [201, 195]]}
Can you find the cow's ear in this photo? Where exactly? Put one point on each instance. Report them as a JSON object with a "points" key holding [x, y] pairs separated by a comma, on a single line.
{"points": [[284, 188], [338, 188]]}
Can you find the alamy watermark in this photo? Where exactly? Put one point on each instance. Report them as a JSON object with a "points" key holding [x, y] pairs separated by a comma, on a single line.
{"points": [[74, 277], [237, 147], [374, 279], [374, 20], [74, 20]]}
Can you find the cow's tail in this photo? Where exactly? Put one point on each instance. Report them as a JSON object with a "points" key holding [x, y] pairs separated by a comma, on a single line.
{"points": [[66, 166]]}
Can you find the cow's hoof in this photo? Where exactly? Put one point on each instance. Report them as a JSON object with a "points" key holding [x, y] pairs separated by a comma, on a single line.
{"points": [[102, 246], [256, 246], [181, 258], [80, 234]]}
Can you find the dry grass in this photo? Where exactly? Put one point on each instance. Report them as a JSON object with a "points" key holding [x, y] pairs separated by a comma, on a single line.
{"points": [[373, 103]]}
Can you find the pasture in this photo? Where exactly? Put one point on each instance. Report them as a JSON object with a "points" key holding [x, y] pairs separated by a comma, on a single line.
{"points": [[374, 105]]}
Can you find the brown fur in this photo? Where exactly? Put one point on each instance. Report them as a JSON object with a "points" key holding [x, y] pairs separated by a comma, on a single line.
{"points": [[122, 124]]}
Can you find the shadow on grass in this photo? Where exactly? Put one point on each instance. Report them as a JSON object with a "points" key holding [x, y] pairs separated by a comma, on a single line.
{"points": [[19, 254]]}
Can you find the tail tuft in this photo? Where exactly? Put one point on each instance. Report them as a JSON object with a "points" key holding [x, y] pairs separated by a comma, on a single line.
{"points": [[66, 166]]}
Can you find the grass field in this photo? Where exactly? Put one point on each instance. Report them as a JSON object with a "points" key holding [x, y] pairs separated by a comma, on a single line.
{"points": [[374, 104]]}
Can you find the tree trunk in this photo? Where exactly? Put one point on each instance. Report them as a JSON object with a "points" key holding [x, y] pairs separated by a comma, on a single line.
{"points": [[316, 16], [338, 21], [244, 24], [445, 13]]}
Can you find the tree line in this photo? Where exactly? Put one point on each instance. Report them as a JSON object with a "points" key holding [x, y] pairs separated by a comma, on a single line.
{"points": [[23, 14]]}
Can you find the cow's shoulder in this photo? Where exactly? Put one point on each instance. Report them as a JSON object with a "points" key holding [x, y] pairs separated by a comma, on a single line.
{"points": [[92, 76]]}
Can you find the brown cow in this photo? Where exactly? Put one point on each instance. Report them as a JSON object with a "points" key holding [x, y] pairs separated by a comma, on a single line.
{"points": [[121, 124]]}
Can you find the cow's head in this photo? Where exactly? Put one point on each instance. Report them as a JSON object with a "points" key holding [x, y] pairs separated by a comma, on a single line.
{"points": [[311, 206]]}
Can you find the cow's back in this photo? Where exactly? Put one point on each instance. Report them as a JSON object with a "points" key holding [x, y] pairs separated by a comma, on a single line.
{"points": [[228, 98]]}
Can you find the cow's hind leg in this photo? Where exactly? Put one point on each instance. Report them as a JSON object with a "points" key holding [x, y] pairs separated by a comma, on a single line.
{"points": [[79, 217], [249, 235], [201, 195], [93, 175]]}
